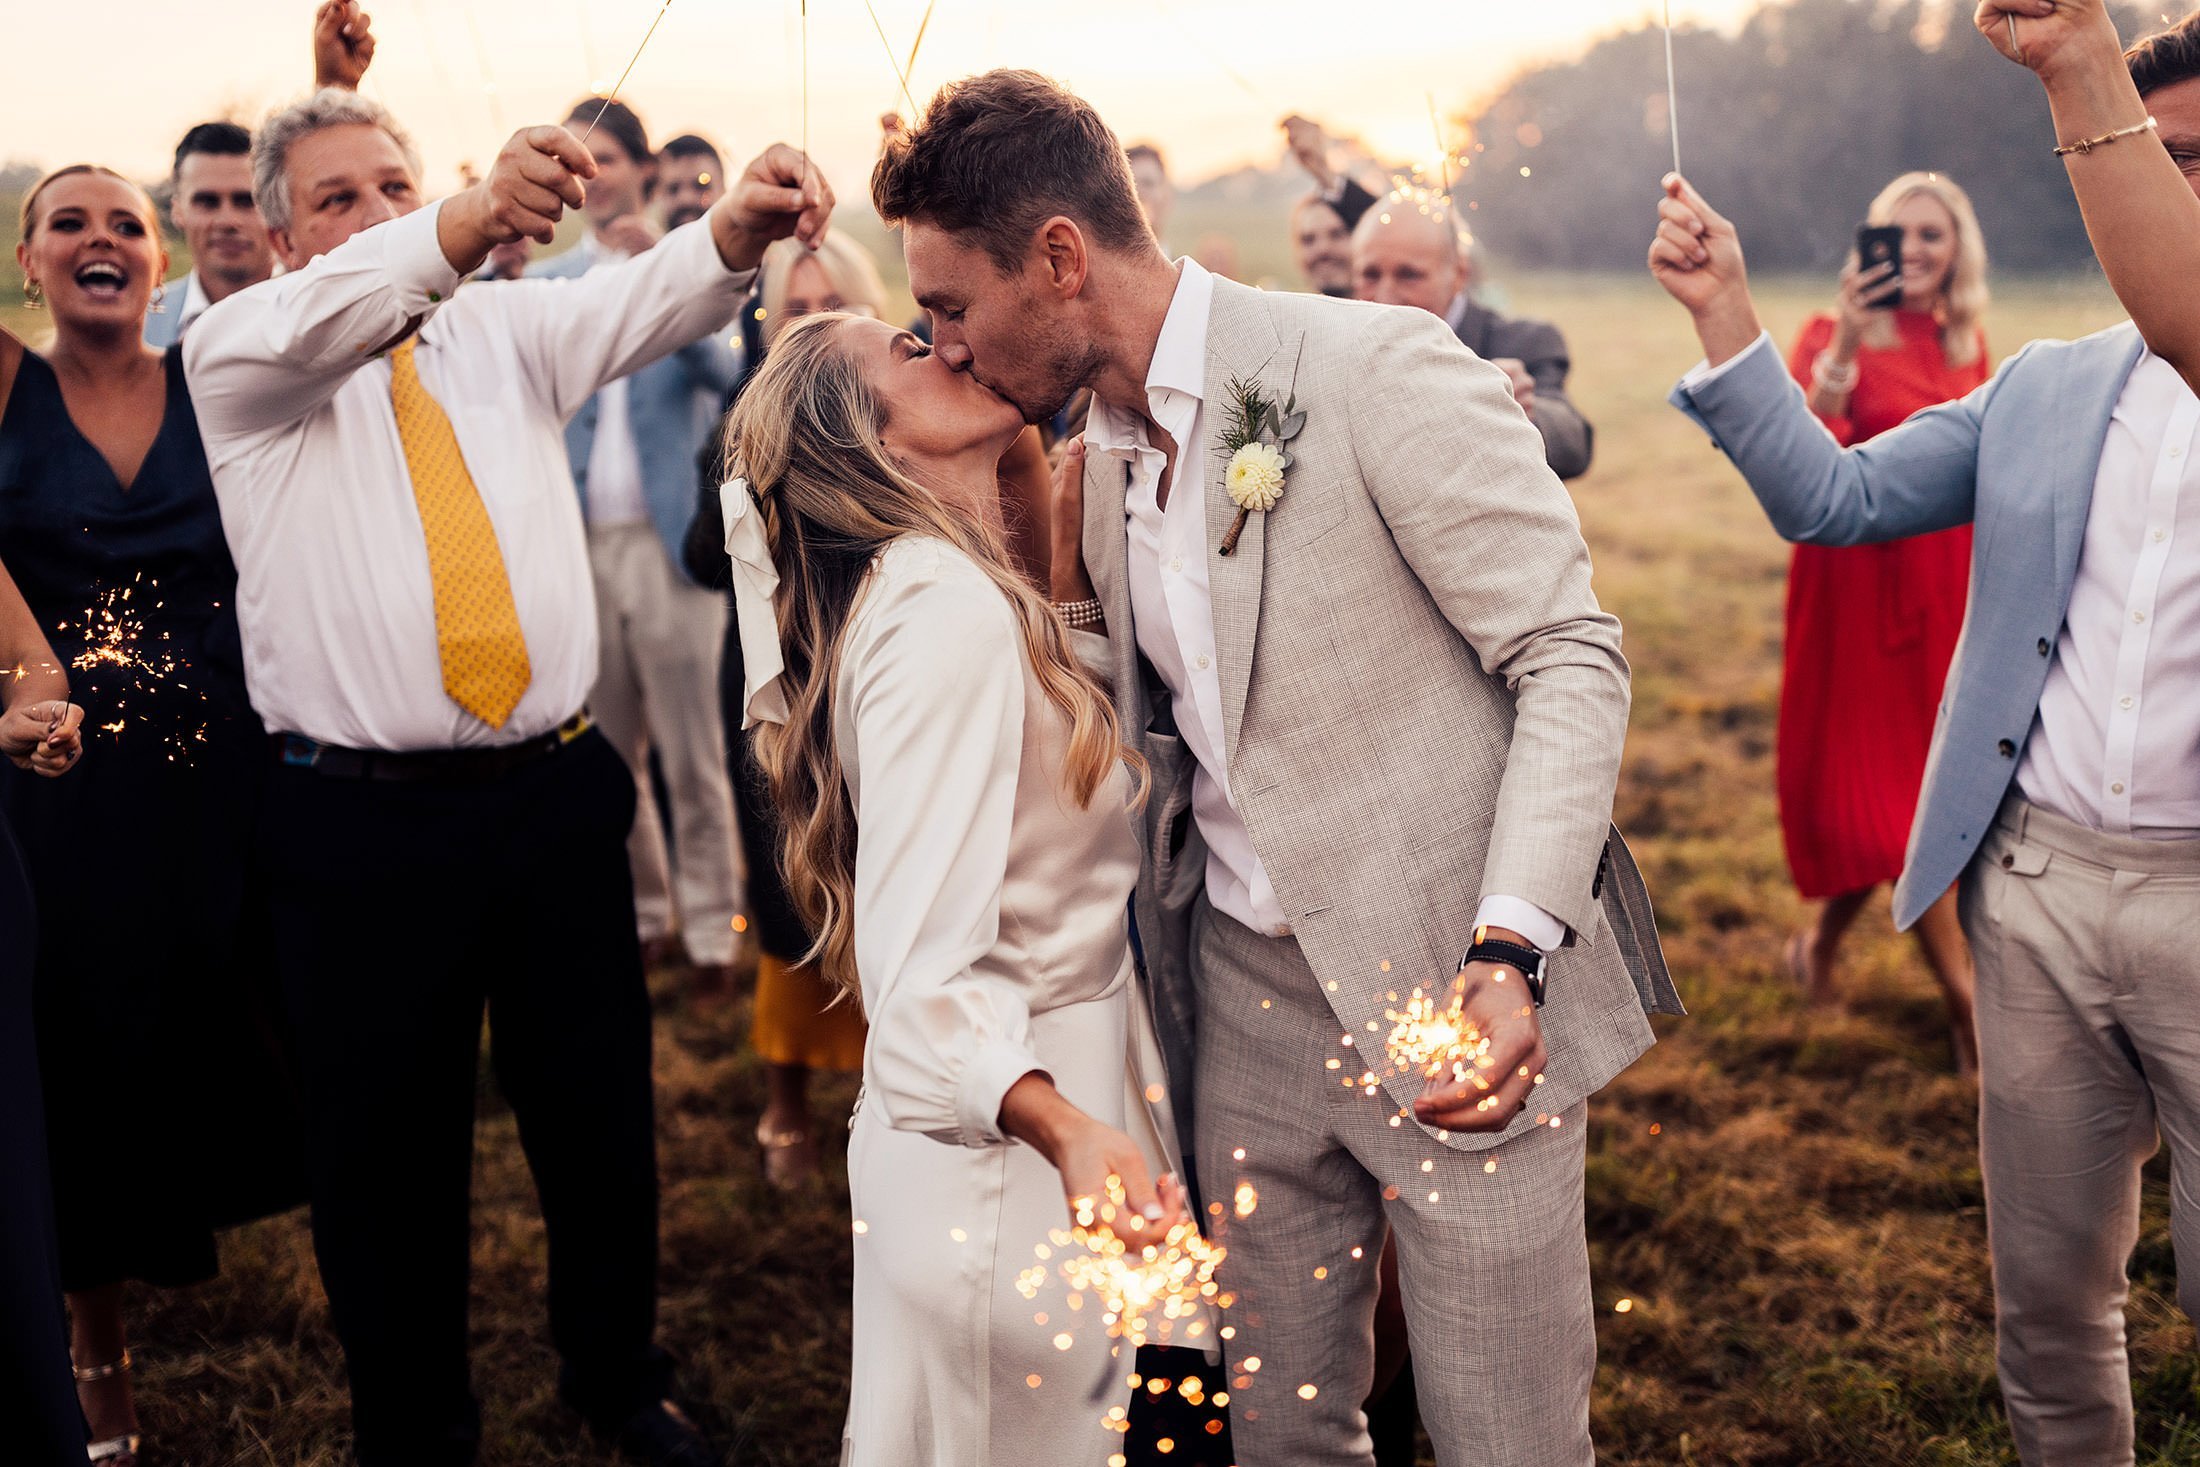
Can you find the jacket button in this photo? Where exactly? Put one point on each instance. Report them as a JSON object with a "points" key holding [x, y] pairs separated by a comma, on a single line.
{"points": [[2043, 646], [2008, 749]]}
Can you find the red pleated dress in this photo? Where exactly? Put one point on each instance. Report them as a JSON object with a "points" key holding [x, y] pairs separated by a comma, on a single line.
{"points": [[1871, 630]]}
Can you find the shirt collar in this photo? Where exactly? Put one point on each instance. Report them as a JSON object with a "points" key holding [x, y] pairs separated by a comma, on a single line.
{"points": [[195, 300], [1179, 364]]}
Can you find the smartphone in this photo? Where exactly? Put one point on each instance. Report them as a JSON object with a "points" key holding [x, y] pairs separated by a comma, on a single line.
{"points": [[1878, 246]]}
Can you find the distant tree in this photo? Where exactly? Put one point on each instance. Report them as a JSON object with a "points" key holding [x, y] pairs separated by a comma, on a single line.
{"points": [[1789, 127]]}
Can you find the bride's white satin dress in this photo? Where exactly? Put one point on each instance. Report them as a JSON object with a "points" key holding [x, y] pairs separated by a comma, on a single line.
{"points": [[991, 941]]}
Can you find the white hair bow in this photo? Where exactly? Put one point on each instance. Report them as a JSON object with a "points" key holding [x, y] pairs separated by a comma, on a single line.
{"points": [[755, 578]]}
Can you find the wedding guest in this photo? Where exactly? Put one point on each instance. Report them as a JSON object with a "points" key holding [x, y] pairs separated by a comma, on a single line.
{"points": [[152, 969], [1156, 192], [797, 1025], [446, 829], [690, 178], [210, 202], [1408, 254], [38, 732], [1322, 221], [632, 448], [1871, 628], [2063, 791]]}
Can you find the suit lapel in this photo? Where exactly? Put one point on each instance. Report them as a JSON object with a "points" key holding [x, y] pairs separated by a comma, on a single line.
{"points": [[2080, 451], [1241, 345], [1107, 561]]}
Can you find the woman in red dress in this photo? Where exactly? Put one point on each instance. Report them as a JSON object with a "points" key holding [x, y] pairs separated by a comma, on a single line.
{"points": [[1871, 629]]}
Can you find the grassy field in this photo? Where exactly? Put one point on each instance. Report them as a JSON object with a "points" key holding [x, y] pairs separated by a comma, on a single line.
{"points": [[1788, 1202]]}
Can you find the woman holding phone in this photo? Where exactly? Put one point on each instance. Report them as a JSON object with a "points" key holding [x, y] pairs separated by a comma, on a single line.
{"points": [[1871, 629]]}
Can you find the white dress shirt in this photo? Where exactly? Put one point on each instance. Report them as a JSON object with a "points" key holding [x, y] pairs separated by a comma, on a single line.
{"points": [[614, 462], [334, 598], [2115, 745], [1172, 608], [195, 302]]}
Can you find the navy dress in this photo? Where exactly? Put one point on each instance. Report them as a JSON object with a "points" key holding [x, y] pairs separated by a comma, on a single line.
{"points": [[168, 1107], [37, 1399]]}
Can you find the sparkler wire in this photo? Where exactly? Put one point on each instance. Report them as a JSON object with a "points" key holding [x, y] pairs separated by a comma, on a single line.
{"points": [[1672, 91], [613, 94]]}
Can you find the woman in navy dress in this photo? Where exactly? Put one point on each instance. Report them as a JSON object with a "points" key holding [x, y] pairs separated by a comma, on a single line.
{"points": [[38, 734], [167, 1108]]}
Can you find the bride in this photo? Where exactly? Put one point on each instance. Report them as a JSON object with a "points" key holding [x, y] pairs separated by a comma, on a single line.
{"points": [[957, 806]]}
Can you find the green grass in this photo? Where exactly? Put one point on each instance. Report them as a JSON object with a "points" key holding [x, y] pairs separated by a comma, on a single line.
{"points": [[1802, 1240]]}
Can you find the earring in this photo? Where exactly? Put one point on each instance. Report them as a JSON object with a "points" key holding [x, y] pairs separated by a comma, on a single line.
{"points": [[34, 295], [160, 293]]}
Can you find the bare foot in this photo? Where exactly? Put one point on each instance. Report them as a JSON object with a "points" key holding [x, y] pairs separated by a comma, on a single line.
{"points": [[1811, 972]]}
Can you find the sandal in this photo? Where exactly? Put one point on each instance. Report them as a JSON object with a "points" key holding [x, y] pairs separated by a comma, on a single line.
{"points": [[121, 1450], [790, 1157]]}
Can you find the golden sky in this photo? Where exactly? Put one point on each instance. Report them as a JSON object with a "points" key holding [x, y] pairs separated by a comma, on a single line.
{"points": [[1206, 79]]}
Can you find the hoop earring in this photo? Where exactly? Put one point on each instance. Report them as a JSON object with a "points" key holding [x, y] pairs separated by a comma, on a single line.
{"points": [[34, 295]]}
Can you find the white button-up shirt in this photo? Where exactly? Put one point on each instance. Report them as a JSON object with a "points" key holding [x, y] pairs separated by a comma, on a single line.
{"points": [[614, 460], [1172, 607], [2116, 746], [334, 598]]}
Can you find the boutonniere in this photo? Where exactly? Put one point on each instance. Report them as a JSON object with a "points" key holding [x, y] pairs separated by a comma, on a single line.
{"points": [[1254, 436]]}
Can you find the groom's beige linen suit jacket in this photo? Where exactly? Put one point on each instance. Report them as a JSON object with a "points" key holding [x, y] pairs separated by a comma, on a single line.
{"points": [[1422, 701]]}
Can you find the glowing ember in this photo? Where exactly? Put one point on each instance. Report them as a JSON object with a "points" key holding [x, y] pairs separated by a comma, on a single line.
{"points": [[1151, 1291], [1429, 1040]]}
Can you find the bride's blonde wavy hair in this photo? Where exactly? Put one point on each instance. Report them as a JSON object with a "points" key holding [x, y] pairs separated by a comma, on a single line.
{"points": [[806, 436]]}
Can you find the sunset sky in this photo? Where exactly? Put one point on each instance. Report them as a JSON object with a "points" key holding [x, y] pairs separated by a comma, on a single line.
{"points": [[1206, 79]]}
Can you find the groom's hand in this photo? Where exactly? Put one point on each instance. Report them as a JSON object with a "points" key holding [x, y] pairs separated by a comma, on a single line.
{"points": [[1496, 1001]]}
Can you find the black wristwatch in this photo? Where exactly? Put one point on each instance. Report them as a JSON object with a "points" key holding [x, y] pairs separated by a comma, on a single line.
{"points": [[1528, 960]]}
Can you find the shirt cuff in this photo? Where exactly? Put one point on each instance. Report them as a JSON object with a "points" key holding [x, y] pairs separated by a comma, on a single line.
{"points": [[986, 1081], [696, 239], [1703, 374], [1543, 931], [412, 254]]}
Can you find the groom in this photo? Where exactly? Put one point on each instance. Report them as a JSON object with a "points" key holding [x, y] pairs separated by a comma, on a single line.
{"points": [[1383, 728]]}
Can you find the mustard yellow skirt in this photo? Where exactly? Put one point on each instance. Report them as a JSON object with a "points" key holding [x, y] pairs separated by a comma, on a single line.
{"points": [[793, 1024]]}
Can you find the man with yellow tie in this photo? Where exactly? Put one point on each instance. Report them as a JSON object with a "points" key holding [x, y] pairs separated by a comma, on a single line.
{"points": [[444, 834]]}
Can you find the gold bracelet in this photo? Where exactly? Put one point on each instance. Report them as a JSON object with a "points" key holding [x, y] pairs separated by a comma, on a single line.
{"points": [[2087, 145]]}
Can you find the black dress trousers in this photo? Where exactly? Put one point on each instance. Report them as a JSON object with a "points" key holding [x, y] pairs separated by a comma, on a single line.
{"points": [[404, 912]]}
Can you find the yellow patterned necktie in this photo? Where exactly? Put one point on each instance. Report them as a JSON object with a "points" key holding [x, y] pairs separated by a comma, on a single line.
{"points": [[477, 635]]}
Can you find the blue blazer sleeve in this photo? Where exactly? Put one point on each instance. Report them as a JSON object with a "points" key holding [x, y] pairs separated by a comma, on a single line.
{"points": [[1920, 477]]}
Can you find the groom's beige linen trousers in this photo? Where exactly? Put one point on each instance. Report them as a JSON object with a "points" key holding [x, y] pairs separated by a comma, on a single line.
{"points": [[2088, 953]]}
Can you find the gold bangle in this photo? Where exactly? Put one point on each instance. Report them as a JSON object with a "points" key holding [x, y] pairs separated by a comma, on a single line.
{"points": [[2087, 145]]}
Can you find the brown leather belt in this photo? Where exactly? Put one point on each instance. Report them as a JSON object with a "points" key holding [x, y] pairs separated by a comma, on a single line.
{"points": [[426, 766]]}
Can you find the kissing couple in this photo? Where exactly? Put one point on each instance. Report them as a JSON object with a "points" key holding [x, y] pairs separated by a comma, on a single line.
{"points": [[1323, 708]]}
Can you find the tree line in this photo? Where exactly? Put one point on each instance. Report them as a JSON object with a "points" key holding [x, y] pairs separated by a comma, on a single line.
{"points": [[1789, 127]]}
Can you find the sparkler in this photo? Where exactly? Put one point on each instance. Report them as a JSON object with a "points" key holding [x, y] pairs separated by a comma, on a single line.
{"points": [[613, 95], [115, 642], [900, 75], [1672, 90], [1150, 1291], [1427, 1039]]}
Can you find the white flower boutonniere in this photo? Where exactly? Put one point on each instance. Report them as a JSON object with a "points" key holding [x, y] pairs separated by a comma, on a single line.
{"points": [[1254, 438]]}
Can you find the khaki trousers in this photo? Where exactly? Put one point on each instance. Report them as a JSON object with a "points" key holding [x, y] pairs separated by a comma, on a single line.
{"points": [[657, 687], [2088, 955], [1493, 1263]]}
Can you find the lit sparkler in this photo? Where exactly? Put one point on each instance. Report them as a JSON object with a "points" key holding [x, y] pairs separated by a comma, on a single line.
{"points": [[1151, 1291], [118, 646], [1429, 1038]]}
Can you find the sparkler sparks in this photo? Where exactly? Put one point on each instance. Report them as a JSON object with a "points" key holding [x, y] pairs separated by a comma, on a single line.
{"points": [[1152, 1291], [118, 648], [1429, 1039]]}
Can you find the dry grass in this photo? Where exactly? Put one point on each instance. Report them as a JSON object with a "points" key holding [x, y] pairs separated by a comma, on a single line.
{"points": [[1802, 1239]]}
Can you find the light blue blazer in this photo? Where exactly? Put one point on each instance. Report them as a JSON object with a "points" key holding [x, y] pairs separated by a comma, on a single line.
{"points": [[2016, 459], [673, 407], [164, 323]]}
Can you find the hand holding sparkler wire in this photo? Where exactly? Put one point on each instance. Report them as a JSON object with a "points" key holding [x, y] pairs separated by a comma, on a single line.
{"points": [[1097, 1163], [45, 737], [1484, 1051], [780, 194]]}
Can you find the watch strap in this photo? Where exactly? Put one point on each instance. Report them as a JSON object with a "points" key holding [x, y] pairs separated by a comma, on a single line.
{"points": [[1529, 961]]}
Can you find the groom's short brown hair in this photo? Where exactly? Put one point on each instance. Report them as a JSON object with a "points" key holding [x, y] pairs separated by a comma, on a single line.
{"points": [[996, 156]]}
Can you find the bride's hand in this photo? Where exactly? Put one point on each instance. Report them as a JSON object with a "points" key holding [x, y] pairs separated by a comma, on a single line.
{"points": [[1090, 1154], [1067, 580]]}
